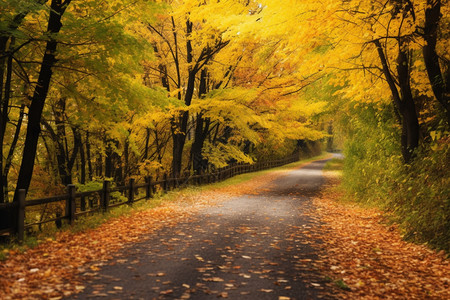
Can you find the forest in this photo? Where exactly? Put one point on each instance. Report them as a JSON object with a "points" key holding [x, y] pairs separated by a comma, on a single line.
{"points": [[94, 90]]}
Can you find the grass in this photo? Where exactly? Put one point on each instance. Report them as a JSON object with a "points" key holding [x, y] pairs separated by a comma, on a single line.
{"points": [[97, 219], [342, 285], [335, 164], [334, 171]]}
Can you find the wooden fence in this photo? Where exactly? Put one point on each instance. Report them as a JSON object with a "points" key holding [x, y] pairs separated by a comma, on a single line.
{"points": [[82, 203]]}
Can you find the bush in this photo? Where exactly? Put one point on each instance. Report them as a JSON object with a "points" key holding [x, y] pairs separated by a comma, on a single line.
{"points": [[415, 195]]}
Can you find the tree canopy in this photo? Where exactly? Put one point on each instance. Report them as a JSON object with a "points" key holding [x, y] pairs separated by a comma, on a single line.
{"points": [[94, 90]]}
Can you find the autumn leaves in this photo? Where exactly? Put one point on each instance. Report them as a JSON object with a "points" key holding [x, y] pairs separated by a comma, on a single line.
{"points": [[137, 88]]}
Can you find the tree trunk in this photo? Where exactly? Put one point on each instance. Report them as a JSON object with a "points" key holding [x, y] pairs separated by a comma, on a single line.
{"points": [[179, 131], [403, 100], [179, 124], [4, 101], [83, 165], [77, 146], [99, 165], [408, 107], [147, 143], [88, 156], [39, 97], [199, 164], [59, 139], [201, 133], [440, 89], [6, 36], [11, 151], [108, 160]]}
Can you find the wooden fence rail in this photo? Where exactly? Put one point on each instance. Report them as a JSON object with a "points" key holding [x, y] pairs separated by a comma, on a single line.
{"points": [[81, 203]]}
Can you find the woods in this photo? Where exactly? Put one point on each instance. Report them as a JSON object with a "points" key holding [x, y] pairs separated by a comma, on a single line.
{"points": [[124, 90]]}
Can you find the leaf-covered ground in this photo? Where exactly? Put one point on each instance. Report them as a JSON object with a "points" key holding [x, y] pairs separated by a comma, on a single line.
{"points": [[52, 269], [252, 246], [369, 260], [359, 256]]}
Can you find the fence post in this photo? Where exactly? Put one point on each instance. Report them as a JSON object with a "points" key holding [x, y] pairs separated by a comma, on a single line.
{"points": [[148, 188], [131, 191], [21, 215], [106, 195], [70, 203]]}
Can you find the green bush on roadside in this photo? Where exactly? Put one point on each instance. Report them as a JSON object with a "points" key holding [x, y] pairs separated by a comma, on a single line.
{"points": [[416, 195]]}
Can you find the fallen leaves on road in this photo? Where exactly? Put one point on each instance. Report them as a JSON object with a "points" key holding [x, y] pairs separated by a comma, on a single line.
{"points": [[363, 258], [369, 260], [53, 269], [50, 270]]}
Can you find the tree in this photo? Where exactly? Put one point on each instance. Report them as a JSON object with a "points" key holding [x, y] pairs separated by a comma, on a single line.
{"points": [[12, 18], [433, 61], [187, 33], [57, 9], [64, 64], [382, 53]]}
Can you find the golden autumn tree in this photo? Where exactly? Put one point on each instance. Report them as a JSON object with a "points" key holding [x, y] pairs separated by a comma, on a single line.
{"points": [[393, 51], [50, 73], [185, 40]]}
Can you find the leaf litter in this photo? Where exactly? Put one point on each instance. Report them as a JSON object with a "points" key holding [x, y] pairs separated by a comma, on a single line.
{"points": [[362, 258], [367, 259], [55, 268]]}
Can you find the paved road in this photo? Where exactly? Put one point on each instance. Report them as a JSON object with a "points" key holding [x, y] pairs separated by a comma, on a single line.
{"points": [[257, 246]]}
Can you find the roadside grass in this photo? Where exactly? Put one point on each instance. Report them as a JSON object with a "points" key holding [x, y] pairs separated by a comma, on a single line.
{"points": [[334, 171], [414, 203], [367, 257], [159, 199], [335, 164]]}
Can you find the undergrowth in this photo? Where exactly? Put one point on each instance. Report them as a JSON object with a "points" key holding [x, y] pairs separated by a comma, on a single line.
{"points": [[415, 195]]}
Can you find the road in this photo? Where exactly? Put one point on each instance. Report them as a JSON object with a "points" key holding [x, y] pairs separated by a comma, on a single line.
{"points": [[256, 246]]}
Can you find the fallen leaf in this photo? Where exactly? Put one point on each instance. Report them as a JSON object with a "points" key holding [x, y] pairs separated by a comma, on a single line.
{"points": [[167, 292]]}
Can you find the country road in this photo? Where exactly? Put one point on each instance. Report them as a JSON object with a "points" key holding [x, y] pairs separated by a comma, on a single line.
{"points": [[254, 246]]}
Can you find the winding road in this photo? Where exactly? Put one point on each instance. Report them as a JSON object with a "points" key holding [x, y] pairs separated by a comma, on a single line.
{"points": [[256, 246]]}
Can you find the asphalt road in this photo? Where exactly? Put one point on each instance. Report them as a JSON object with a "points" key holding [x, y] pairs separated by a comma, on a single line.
{"points": [[256, 246]]}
